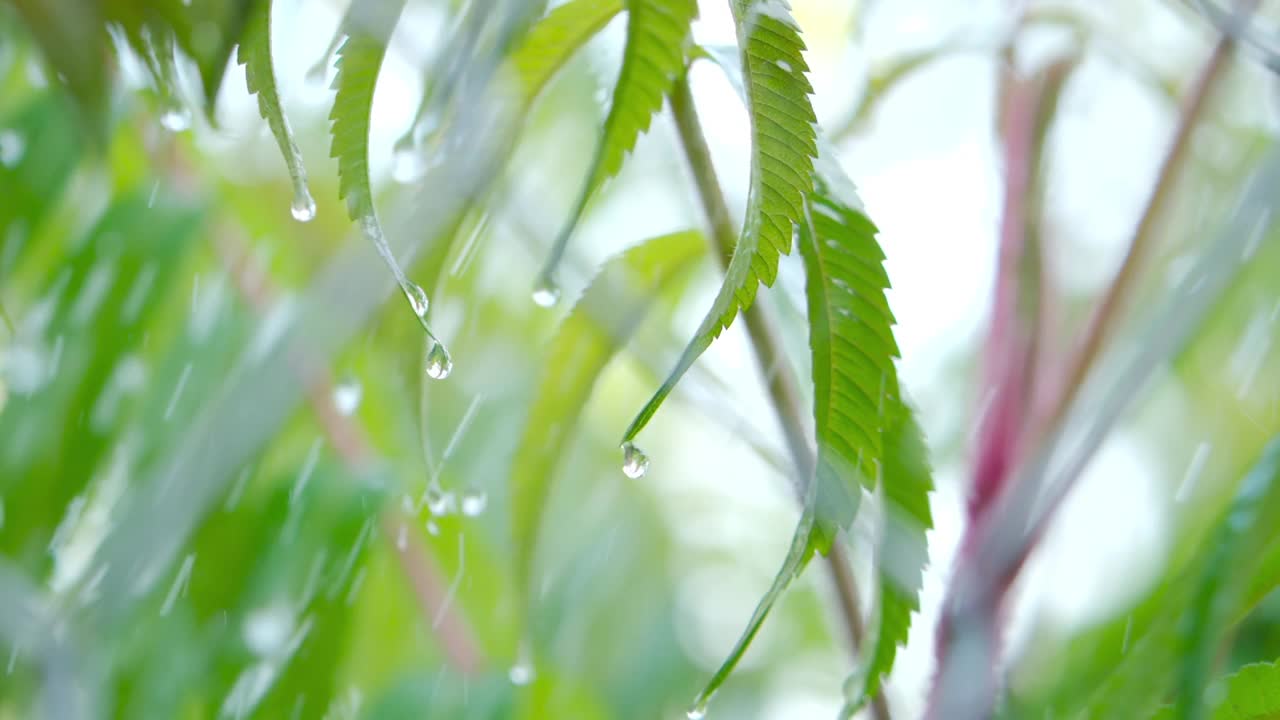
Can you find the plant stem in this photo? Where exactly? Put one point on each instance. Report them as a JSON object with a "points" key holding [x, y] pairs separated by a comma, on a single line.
{"points": [[784, 391], [1109, 308]]}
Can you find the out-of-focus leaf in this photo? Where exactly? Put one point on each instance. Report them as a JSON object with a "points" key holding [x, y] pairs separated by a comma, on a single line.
{"points": [[1231, 558], [599, 325], [783, 147], [553, 40], [260, 77], [1252, 693], [47, 145], [72, 39], [654, 56], [79, 343]]}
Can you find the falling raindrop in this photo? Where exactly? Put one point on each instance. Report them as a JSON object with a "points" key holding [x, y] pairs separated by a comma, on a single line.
{"points": [[417, 299], [304, 206], [346, 396], [439, 364], [11, 147], [175, 118], [547, 293], [634, 462], [473, 502]]}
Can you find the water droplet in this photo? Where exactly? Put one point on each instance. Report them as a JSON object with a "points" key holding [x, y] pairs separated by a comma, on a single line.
{"points": [[699, 708], [417, 299], [547, 293], [12, 146], [439, 364], [437, 500], [521, 673], [784, 66], [432, 528], [473, 502], [303, 208], [634, 462], [346, 396], [175, 118]]}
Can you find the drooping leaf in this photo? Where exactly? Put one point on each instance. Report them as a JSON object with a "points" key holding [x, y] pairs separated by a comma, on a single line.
{"points": [[599, 325], [798, 556], [850, 335], [260, 77], [907, 481], [783, 147], [359, 61], [653, 57]]}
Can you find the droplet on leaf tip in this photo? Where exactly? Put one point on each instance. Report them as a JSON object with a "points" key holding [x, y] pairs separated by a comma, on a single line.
{"points": [[304, 206], [634, 462], [439, 364], [547, 293]]}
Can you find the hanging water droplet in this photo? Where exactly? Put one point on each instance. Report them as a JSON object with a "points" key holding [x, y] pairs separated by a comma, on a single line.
{"points": [[12, 146], [473, 502], [547, 293], [521, 673], [696, 713], [346, 396], [437, 500], [303, 208], [417, 299], [175, 118], [439, 364], [634, 462]]}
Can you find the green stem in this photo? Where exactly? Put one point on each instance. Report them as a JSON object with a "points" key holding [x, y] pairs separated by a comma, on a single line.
{"points": [[784, 390]]}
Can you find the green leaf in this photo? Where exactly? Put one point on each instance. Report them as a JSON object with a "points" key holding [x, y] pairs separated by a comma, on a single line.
{"points": [[851, 338], [260, 77], [358, 63], [1230, 561], [553, 40], [599, 325], [797, 558], [654, 56], [72, 40], [783, 147], [1253, 693], [907, 482]]}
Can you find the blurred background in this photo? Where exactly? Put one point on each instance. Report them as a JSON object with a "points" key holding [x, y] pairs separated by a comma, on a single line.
{"points": [[358, 564]]}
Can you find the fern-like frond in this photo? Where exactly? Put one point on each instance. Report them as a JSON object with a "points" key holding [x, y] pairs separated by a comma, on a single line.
{"points": [[260, 77], [653, 57], [600, 324], [783, 147]]}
